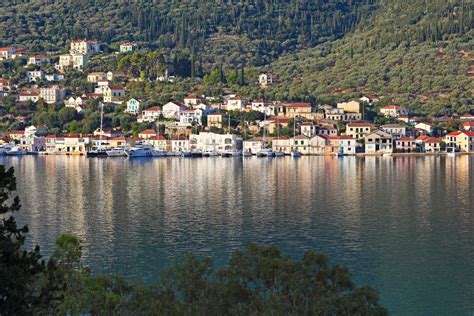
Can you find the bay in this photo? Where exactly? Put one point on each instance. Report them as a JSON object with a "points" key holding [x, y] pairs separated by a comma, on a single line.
{"points": [[402, 225]]}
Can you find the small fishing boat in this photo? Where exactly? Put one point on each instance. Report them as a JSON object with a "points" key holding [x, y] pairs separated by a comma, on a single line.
{"points": [[15, 151], [210, 153], [232, 153]]}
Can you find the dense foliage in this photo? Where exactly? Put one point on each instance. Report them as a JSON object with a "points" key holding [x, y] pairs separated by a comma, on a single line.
{"points": [[259, 280], [417, 53], [250, 31]]}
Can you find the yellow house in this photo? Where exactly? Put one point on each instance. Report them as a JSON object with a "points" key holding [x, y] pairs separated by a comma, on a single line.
{"points": [[215, 120], [299, 109], [351, 107]]}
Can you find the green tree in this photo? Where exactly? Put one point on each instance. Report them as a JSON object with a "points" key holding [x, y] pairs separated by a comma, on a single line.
{"points": [[27, 285]]}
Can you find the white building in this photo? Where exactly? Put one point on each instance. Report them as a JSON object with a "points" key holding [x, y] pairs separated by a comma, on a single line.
{"points": [[179, 143], [253, 145], [35, 75], [190, 116], [52, 94], [38, 60], [84, 47], [393, 111], [265, 79], [133, 106], [235, 103], [219, 143], [151, 114], [173, 110]]}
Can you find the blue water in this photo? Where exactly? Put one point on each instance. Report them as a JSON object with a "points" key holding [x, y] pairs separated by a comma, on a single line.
{"points": [[403, 225]]}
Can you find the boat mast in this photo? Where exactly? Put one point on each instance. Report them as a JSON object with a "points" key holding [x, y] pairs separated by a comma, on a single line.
{"points": [[101, 123]]}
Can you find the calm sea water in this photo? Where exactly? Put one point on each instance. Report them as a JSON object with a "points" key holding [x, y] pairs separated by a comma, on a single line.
{"points": [[403, 225]]}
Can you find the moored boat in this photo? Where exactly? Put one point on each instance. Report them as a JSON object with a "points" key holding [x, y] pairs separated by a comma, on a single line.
{"points": [[159, 153], [232, 153], [295, 154], [139, 151], [15, 151], [116, 152]]}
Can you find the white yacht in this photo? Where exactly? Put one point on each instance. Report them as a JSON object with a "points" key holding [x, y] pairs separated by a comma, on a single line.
{"points": [[247, 153], [295, 154], [15, 151], [6, 147], [279, 154], [139, 151], [116, 152]]}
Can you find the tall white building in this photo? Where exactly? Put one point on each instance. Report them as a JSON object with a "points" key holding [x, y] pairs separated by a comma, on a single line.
{"points": [[219, 143]]}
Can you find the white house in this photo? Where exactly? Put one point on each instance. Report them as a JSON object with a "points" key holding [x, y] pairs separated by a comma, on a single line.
{"points": [[133, 106], [190, 116], [113, 94], [173, 110], [192, 100], [52, 94], [152, 114], [35, 75], [393, 111], [235, 103], [395, 130], [54, 77], [76, 103], [425, 127], [38, 60], [179, 143], [84, 47], [128, 47], [28, 96], [265, 79], [253, 145], [219, 143], [7, 52], [94, 77]]}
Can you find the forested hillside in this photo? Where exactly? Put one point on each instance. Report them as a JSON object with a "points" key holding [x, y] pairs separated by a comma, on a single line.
{"points": [[416, 53], [254, 32]]}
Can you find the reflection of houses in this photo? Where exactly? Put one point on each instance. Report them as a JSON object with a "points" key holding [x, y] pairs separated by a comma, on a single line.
{"points": [[205, 141], [378, 142]]}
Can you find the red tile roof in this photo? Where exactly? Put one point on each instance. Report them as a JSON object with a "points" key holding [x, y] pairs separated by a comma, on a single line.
{"points": [[148, 132], [358, 124], [153, 108], [298, 105]]}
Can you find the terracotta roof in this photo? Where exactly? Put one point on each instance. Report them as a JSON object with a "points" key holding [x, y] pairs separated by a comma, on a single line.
{"points": [[406, 139], [148, 132], [453, 134], [113, 87], [432, 140], [157, 137], [179, 138], [470, 134], [468, 124], [40, 57], [339, 137], [153, 108], [281, 138]]}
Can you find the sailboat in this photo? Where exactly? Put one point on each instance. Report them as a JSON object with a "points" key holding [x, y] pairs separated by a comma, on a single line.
{"points": [[99, 152], [295, 153], [265, 152], [233, 152], [158, 153], [279, 153]]}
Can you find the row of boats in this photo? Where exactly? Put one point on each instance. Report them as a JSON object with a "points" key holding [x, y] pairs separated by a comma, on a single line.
{"points": [[149, 151]]}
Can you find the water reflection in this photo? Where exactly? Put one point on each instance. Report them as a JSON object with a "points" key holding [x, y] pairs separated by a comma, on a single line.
{"points": [[403, 225]]}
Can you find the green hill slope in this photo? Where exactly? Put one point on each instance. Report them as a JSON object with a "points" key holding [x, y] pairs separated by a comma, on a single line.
{"points": [[251, 31], [416, 53]]}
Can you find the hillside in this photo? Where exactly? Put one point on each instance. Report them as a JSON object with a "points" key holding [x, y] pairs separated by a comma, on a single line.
{"points": [[254, 32], [416, 53]]}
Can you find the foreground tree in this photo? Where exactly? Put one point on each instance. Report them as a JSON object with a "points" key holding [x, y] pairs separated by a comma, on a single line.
{"points": [[27, 284]]}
